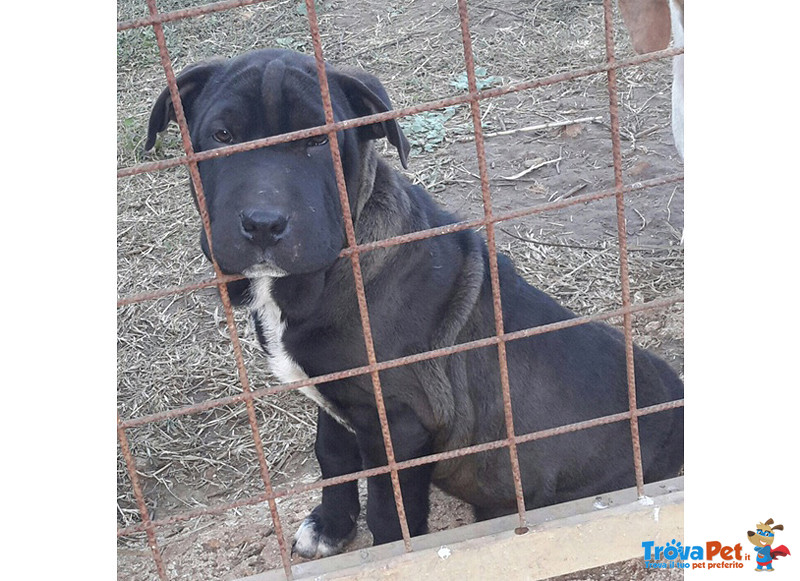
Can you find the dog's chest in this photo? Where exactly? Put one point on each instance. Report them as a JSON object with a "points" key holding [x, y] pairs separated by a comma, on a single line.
{"points": [[283, 366]]}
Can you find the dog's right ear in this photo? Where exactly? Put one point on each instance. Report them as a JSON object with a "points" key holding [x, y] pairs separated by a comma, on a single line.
{"points": [[191, 81]]}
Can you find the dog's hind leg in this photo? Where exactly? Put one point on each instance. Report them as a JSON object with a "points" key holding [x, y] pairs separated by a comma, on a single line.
{"points": [[332, 524]]}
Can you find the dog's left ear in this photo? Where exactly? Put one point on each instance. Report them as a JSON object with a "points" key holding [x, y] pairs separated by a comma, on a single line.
{"points": [[368, 97]]}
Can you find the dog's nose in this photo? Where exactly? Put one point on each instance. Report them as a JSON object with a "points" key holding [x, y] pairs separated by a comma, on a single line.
{"points": [[264, 227]]}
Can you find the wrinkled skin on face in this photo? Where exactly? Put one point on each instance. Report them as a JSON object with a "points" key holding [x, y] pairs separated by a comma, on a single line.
{"points": [[264, 203]]}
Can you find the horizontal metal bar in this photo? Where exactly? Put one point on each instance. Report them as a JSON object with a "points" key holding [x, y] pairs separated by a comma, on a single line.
{"points": [[162, 17], [394, 114], [430, 232], [399, 362], [429, 459]]}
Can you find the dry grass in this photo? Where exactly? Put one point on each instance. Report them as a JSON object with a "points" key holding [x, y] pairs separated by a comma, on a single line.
{"points": [[175, 351]]}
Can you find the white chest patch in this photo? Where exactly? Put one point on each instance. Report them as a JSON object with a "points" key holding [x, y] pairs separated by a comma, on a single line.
{"points": [[282, 365]]}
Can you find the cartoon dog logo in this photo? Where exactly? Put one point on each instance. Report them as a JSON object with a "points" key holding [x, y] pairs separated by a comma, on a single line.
{"points": [[763, 539]]}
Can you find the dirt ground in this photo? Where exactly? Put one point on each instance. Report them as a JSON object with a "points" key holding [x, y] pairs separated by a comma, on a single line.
{"points": [[175, 351]]}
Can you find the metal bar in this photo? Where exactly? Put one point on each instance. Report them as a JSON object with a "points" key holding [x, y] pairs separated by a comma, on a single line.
{"points": [[358, 279], [616, 151], [147, 525], [420, 461], [492, 247], [223, 291], [422, 234], [160, 294], [407, 360], [162, 17], [394, 114]]}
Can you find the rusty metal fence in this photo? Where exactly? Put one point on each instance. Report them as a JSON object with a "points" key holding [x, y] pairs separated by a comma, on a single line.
{"points": [[248, 395]]}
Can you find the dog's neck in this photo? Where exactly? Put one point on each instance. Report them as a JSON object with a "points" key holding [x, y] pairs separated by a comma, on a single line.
{"points": [[366, 178], [388, 208]]}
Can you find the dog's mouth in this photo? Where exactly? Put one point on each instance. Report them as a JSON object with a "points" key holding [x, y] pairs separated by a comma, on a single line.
{"points": [[263, 269]]}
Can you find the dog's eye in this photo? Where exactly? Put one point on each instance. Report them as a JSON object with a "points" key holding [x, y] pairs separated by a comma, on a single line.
{"points": [[223, 136], [317, 140]]}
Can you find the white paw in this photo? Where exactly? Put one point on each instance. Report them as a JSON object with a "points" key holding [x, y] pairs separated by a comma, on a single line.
{"points": [[310, 543]]}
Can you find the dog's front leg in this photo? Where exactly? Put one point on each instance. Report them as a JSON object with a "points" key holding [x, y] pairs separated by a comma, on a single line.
{"points": [[382, 510], [332, 524], [410, 440]]}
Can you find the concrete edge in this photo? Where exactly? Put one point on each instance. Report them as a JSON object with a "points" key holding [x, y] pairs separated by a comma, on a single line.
{"points": [[564, 538]]}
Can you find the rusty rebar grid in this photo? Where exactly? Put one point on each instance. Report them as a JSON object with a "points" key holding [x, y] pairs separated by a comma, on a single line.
{"points": [[223, 291], [248, 395]]}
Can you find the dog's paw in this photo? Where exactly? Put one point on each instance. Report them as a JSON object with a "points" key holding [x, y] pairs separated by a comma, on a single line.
{"points": [[318, 538]]}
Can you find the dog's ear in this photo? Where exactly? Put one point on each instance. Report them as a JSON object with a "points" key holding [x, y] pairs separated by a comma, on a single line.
{"points": [[191, 81], [368, 97]]}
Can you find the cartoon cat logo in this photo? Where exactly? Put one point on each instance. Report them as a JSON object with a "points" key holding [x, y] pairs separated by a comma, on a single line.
{"points": [[763, 539]]}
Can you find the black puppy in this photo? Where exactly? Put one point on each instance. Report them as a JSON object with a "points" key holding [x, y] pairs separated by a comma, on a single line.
{"points": [[276, 218]]}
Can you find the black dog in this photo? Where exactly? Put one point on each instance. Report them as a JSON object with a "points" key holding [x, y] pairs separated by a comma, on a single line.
{"points": [[276, 218]]}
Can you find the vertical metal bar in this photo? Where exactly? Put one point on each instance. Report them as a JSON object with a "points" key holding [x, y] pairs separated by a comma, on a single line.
{"points": [[493, 271], [223, 291], [623, 241], [150, 529], [356, 264]]}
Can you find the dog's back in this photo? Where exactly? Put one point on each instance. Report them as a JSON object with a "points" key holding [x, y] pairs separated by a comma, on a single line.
{"points": [[560, 377]]}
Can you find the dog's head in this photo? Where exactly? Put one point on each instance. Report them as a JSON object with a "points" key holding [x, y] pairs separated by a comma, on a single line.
{"points": [[276, 210]]}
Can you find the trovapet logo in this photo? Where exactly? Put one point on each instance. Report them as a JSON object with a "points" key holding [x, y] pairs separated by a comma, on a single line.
{"points": [[716, 555], [674, 555]]}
